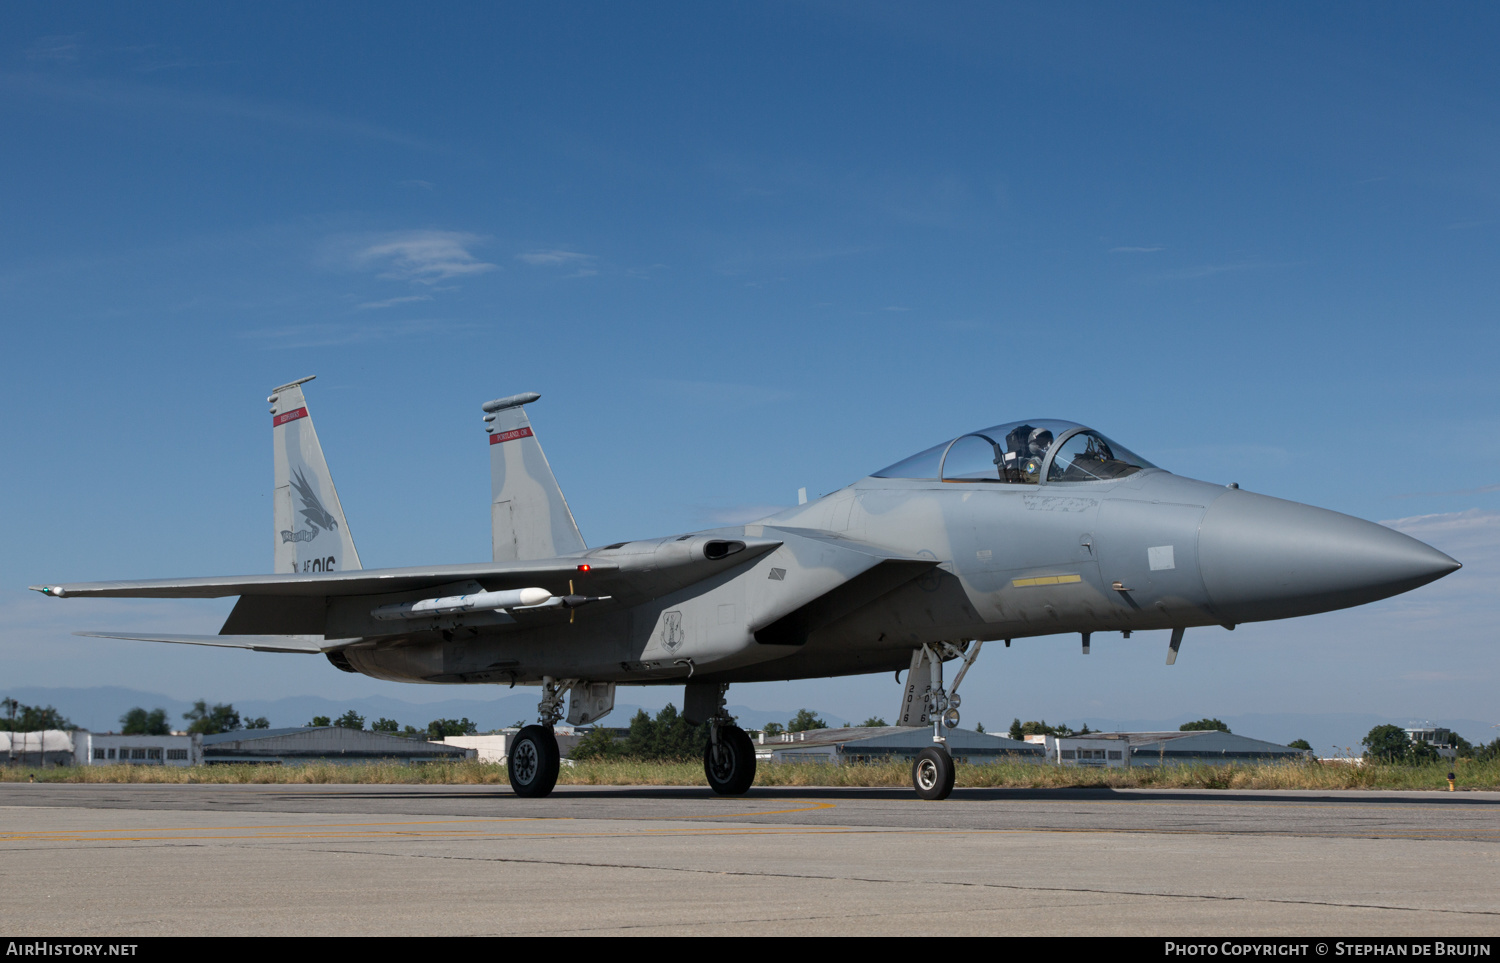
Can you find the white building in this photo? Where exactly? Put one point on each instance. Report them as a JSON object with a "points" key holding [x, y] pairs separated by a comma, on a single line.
{"points": [[111, 748], [495, 747], [80, 747], [1097, 749], [1437, 737]]}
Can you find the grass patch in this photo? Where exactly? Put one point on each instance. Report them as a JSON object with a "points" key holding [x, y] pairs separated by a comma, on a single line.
{"points": [[635, 772]]}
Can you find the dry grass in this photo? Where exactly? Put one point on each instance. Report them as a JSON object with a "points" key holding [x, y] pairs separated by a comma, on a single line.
{"points": [[626, 772]]}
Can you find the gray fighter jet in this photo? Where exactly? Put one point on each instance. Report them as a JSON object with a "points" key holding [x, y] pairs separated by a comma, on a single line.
{"points": [[1030, 528]]}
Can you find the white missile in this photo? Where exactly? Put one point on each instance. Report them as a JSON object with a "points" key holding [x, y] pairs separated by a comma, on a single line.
{"points": [[478, 602]]}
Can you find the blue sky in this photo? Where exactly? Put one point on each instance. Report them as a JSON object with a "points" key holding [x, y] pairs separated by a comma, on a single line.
{"points": [[741, 249]]}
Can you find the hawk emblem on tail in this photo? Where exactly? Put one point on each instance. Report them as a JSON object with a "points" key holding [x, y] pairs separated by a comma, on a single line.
{"points": [[317, 516]]}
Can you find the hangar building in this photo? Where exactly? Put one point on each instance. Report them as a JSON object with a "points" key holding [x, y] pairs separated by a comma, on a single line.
{"points": [[322, 744], [877, 743]]}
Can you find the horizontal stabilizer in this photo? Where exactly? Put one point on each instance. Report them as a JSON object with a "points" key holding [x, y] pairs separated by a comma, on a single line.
{"points": [[306, 644]]}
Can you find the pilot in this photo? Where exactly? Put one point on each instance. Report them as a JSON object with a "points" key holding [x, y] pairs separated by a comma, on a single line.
{"points": [[1027, 446], [1036, 449]]}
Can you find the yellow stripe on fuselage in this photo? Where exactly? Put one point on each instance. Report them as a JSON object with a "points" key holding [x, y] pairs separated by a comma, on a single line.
{"points": [[1045, 580]]}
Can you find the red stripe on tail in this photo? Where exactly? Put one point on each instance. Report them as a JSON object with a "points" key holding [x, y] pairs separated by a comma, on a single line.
{"points": [[509, 435]]}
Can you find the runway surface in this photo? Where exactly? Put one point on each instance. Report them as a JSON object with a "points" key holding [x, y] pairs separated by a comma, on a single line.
{"points": [[469, 860]]}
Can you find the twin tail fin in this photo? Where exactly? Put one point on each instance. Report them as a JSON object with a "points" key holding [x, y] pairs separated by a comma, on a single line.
{"points": [[529, 517], [311, 533]]}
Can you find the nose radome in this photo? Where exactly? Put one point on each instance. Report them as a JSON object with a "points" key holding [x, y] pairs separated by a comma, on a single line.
{"points": [[1265, 558]]}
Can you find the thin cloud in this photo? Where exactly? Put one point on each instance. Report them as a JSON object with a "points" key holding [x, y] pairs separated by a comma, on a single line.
{"points": [[425, 257], [327, 335], [582, 264], [1470, 521], [1208, 270], [699, 393], [392, 302], [146, 98], [54, 50], [783, 255], [1481, 490]]}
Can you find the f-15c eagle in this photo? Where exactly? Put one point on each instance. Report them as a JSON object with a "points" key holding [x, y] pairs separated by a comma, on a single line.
{"points": [[1030, 528]]}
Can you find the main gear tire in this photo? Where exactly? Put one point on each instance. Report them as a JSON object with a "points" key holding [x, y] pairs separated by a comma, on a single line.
{"points": [[932, 773], [534, 761], [730, 766]]}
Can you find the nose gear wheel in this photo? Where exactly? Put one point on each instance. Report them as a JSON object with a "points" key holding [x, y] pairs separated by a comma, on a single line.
{"points": [[932, 773]]}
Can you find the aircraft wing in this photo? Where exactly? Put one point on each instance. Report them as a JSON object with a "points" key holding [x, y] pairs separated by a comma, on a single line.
{"points": [[291, 605], [380, 581], [309, 644]]}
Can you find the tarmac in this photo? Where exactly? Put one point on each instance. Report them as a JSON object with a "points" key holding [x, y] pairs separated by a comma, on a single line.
{"points": [[145, 860]]}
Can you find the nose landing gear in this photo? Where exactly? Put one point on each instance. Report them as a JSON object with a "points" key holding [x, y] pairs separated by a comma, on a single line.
{"points": [[932, 773]]}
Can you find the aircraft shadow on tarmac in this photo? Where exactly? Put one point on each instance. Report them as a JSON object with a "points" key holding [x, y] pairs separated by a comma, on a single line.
{"points": [[998, 795]]}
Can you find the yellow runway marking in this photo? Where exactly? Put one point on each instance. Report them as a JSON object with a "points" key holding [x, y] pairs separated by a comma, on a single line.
{"points": [[311, 833], [326, 829]]}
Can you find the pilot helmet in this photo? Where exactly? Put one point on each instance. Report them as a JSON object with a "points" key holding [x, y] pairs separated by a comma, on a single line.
{"points": [[1039, 442]]}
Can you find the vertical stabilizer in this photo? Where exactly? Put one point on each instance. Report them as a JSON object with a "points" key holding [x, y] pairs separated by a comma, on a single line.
{"points": [[311, 534], [529, 517]]}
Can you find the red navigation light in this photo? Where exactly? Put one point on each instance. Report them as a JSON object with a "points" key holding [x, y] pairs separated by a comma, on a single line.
{"points": [[585, 568]]}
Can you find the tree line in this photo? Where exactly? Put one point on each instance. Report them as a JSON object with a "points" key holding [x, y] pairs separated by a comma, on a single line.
{"points": [[1391, 744]]}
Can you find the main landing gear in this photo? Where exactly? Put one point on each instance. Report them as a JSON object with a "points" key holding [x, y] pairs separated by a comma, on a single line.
{"points": [[729, 760], [534, 760], [729, 757]]}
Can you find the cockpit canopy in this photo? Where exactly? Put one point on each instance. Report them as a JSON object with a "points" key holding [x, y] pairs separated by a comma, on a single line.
{"points": [[1022, 453]]}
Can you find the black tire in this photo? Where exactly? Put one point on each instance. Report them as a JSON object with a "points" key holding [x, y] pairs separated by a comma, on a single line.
{"points": [[932, 773], [533, 761], [730, 766]]}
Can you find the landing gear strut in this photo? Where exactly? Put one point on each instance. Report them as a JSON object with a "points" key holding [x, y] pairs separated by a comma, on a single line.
{"points": [[534, 760], [932, 772], [729, 757]]}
